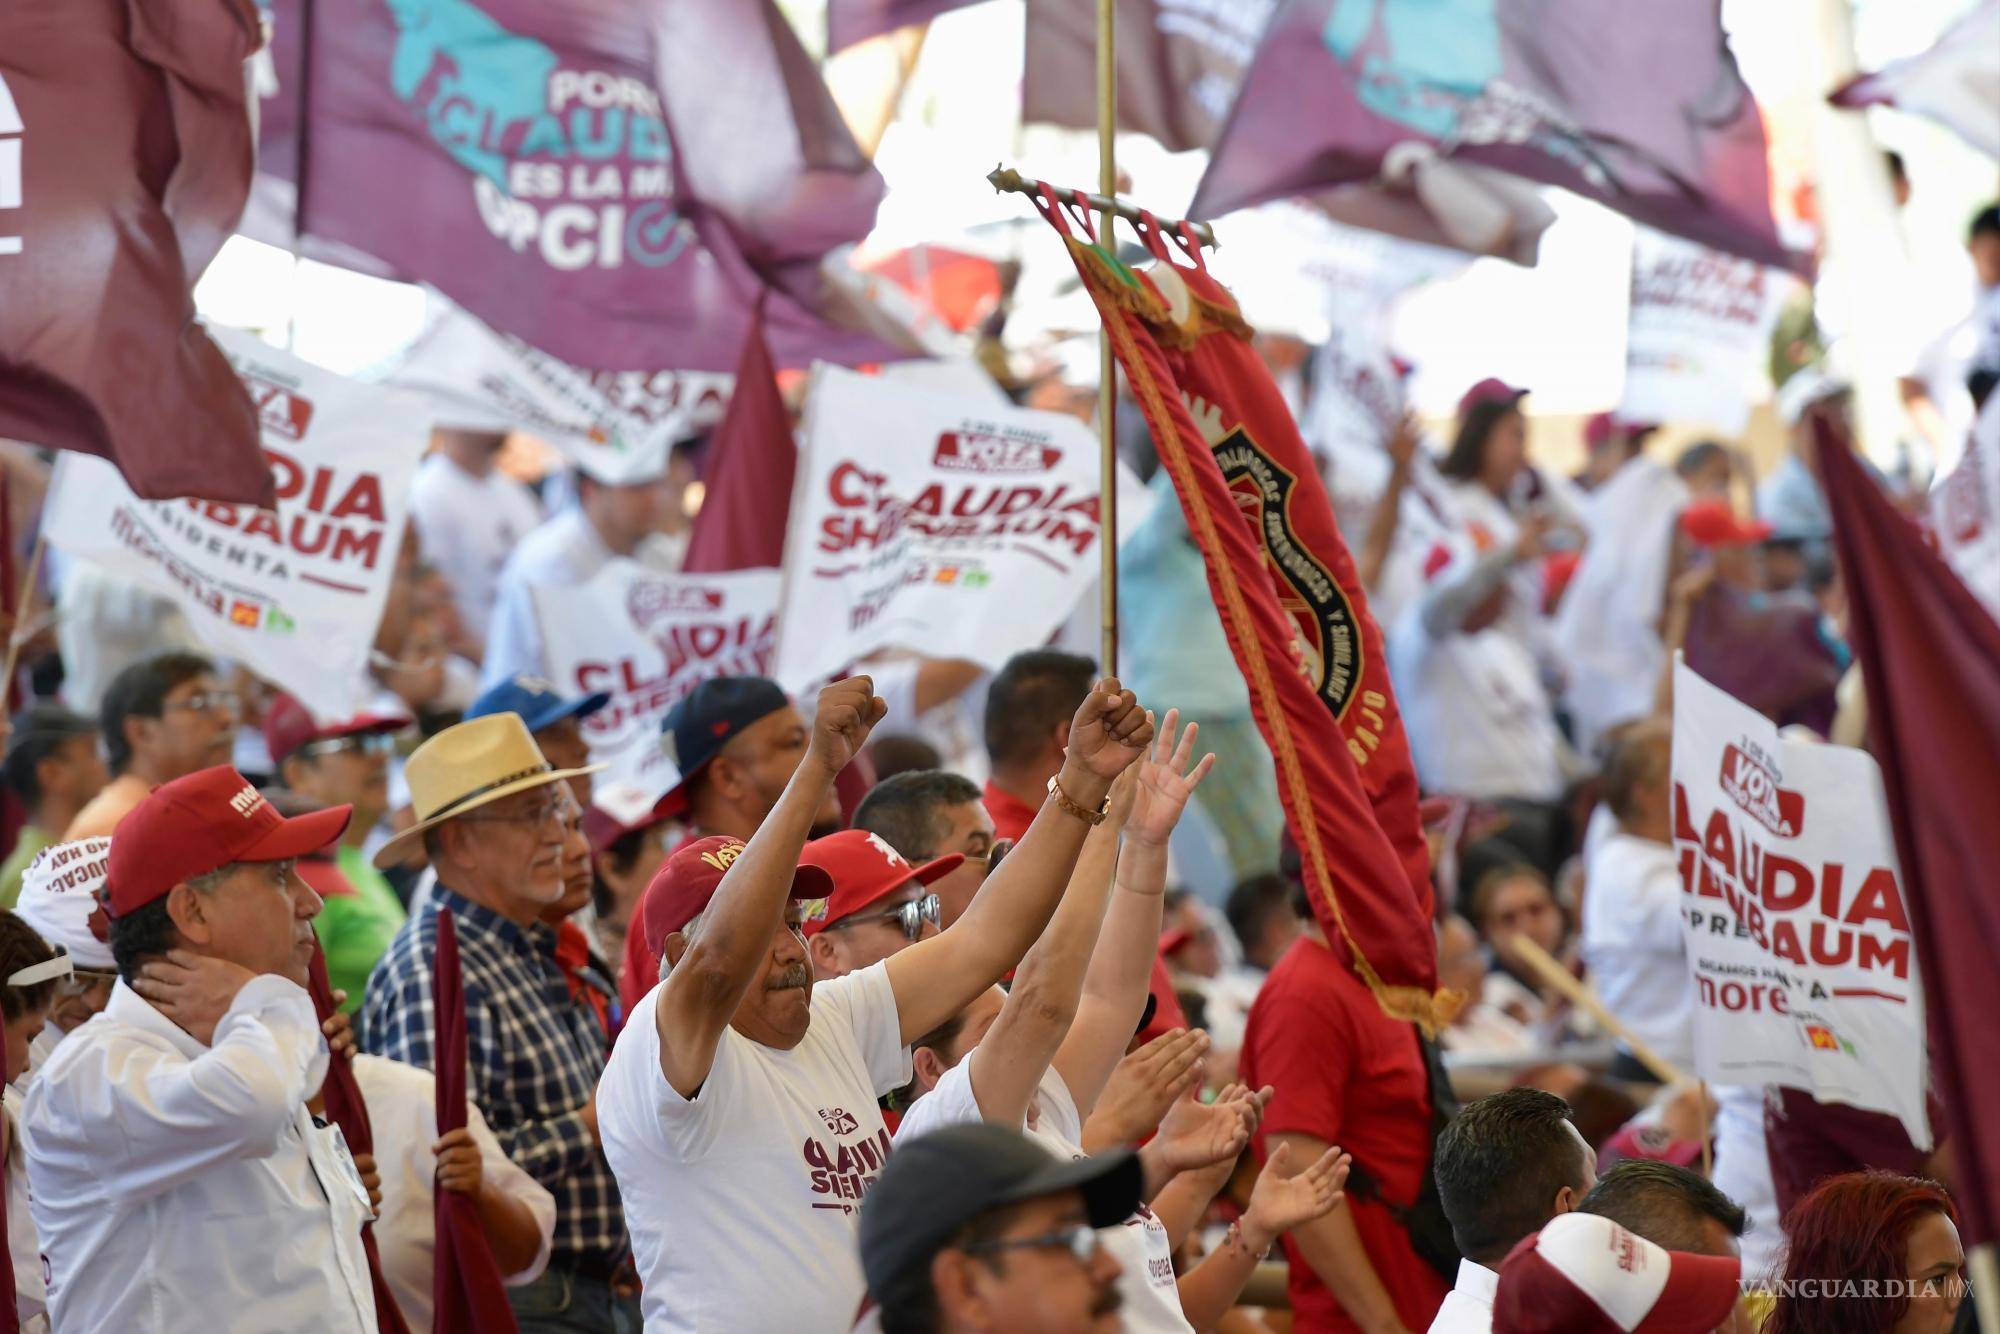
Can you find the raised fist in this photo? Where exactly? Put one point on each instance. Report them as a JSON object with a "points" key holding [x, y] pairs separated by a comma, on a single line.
{"points": [[848, 712], [1110, 730]]}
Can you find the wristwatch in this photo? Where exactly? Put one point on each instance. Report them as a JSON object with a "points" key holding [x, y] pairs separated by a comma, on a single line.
{"points": [[1083, 813]]}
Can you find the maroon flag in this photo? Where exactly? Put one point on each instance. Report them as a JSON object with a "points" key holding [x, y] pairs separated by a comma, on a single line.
{"points": [[752, 459], [1930, 660], [851, 21], [1645, 114], [1180, 63], [465, 1278], [519, 156], [124, 162], [345, 1108]]}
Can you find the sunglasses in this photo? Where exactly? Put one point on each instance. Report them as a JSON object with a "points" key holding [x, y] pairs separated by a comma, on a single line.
{"points": [[83, 980], [1081, 1241], [210, 701], [910, 916], [990, 858], [361, 743]]}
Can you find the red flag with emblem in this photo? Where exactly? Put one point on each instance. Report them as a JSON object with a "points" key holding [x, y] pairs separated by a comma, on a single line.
{"points": [[1292, 608]]}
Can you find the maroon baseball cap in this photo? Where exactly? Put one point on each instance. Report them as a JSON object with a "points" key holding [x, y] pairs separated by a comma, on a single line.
{"points": [[686, 881], [202, 823], [288, 725], [1714, 523], [862, 868], [1584, 1274], [1489, 390]]}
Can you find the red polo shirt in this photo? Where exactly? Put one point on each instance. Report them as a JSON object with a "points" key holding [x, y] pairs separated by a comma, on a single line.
{"points": [[1011, 818], [1347, 1074]]}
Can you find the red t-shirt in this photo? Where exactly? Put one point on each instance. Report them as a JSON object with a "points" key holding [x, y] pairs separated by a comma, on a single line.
{"points": [[1011, 818], [1346, 1073]]}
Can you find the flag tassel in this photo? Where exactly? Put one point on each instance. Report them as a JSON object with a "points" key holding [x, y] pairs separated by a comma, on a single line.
{"points": [[1010, 181]]}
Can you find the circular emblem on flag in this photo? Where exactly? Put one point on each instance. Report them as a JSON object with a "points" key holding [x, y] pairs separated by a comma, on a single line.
{"points": [[1324, 633]]}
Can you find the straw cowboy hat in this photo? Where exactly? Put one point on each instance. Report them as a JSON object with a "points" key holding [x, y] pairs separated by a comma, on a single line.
{"points": [[470, 765]]}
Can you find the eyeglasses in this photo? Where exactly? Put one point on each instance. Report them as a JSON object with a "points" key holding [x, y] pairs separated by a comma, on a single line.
{"points": [[209, 701], [538, 818], [910, 916], [83, 980], [363, 743], [1081, 1241], [991, 857]]}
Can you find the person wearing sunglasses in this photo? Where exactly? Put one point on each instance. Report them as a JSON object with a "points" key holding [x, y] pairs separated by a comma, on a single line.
{"points": [[58, 895], [163, 718], [344, 763], [1013, 1245], [880, 902]]}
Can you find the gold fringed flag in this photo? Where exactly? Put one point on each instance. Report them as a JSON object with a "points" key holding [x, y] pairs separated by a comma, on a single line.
{"points": [[1291, 604]]}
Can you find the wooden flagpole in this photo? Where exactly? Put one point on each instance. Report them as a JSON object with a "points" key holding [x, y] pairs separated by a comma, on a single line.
{"points": [[1107, 383]]}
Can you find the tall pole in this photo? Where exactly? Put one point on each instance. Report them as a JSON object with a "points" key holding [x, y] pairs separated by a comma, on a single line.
{"points": [[1107, 381]]}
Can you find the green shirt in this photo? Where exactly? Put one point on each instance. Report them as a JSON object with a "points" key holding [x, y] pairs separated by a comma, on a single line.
{"points": [[33, 840], [356, 928]]}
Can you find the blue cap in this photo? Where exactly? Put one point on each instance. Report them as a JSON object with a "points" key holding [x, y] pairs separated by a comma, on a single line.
{"points": [[702, 721], [538, 702]]}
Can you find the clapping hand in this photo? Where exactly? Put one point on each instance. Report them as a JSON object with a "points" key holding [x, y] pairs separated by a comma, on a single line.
{"points": [[1195, 1134], [1142, 1087], [1166, 782], [848, 712], [1282, 1200]]}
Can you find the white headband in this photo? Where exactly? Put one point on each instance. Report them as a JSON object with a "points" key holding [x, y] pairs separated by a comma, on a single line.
{"points": [[45, 971]]}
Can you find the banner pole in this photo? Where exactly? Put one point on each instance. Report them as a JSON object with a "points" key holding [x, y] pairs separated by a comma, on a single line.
{"points": [[22, 606], [1580, 994], [1107, 381], [1982, 1267]]}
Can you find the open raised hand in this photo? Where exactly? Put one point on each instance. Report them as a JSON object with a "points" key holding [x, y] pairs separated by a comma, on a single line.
{"points": [[1195, 1134], [1283, 1199], [1110, 731], [848, 711], [1166, 782]]}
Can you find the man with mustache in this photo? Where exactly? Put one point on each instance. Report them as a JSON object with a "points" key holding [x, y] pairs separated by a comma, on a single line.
{"points": [[739, 1106], [495, 818], [177, 1179]]}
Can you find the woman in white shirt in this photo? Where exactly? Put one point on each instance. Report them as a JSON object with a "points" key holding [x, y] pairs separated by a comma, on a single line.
{"points": [[30, 968]]}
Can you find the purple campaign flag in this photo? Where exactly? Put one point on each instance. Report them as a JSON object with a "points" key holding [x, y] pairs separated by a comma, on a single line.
{"points": [[517, 155], [1639, 107], [851, 21]]}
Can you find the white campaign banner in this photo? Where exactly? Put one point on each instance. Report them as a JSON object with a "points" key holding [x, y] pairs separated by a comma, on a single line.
{"points": [[478, 379], [1798, 938], [936, 523], [647, 639], [1698, 337], [294, 594], [1965, 510]]}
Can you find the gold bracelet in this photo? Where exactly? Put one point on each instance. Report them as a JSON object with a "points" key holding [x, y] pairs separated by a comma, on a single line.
{"points": [[1082, 813]]}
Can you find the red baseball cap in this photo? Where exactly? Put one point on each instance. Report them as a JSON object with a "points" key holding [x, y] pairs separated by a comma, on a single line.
{"points": [[1601, 426], [288, 725], [1713, 523], [202, 823], [686, 881], [1489, 390], [1584, 1274], [863, 868]]}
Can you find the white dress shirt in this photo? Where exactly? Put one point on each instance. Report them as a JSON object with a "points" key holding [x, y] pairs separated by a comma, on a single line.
{"points": [[565, 550], [1468, 1307], [31, 1298], [402, 1114], [179, 1186]]}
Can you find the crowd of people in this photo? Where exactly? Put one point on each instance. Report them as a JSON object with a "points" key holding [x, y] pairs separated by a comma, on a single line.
{"points": [[950, 1000]]}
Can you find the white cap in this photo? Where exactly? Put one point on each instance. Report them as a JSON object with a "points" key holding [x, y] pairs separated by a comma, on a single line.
{"points": [[1809, 385], [59, 894]]}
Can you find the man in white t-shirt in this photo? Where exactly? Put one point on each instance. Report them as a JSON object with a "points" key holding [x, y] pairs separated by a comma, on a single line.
{"points": [[1633, 941], [738, 1109], [615, 515], [470, 516]]}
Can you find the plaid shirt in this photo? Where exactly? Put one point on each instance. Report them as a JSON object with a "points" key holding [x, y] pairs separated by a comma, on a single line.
{"points": [[535, 1057]]}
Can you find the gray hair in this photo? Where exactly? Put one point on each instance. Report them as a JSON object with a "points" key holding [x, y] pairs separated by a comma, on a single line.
{"points": [[687, 933]]}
